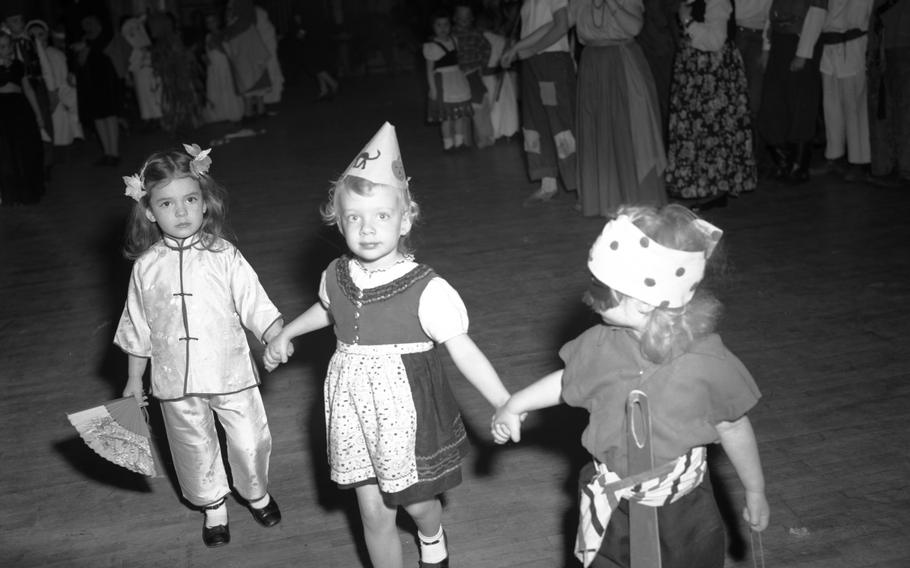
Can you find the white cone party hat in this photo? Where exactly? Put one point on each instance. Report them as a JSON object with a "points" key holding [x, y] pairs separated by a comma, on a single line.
{"points": [[380, 160]]}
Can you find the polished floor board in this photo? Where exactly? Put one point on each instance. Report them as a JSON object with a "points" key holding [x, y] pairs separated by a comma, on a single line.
{"points": [[817, 295]]}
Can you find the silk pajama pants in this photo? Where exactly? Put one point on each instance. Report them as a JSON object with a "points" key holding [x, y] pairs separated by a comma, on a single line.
{"points": [[193, 439]]}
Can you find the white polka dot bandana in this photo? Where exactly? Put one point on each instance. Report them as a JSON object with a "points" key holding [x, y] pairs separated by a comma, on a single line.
{"points": [[627, 260]]}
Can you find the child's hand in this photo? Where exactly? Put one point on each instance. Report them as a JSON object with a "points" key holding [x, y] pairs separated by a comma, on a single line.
{"points": [[278, 351], [506, 425], [757, 512], [134, 389], [507, 58]]}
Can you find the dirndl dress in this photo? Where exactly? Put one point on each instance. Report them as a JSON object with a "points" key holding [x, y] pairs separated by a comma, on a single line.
{"points": [[391, 418], [453, 91]]}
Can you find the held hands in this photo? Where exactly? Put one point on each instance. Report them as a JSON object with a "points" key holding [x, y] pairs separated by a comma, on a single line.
{"points": [[506, 425], [277, 352], [756, 512], [508, 57]]}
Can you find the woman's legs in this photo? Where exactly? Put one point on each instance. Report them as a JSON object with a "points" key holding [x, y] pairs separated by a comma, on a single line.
{"points": [[379, 528]]}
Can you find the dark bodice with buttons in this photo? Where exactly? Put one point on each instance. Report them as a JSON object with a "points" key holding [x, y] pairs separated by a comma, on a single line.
{"points": [[376, 316]]}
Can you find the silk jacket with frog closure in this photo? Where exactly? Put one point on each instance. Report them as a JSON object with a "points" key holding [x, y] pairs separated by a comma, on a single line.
{"points": [[186, 309]]}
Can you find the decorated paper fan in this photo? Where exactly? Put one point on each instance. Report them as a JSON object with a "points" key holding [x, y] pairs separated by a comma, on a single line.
{"points": [[117, 431]]}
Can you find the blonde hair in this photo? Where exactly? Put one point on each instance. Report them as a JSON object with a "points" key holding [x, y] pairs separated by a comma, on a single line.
{"points": [[365, 187], [670, 331]]}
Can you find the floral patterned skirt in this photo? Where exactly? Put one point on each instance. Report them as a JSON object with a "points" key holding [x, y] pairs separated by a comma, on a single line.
{"points": [[392, 420], [710, 147]]}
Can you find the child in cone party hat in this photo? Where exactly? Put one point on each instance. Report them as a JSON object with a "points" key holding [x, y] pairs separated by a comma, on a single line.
{"points": [[395, 433], [190, 296], [656, 350]]}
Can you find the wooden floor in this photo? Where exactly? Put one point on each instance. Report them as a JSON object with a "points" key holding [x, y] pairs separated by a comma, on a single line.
{"points": [[817, 291]]}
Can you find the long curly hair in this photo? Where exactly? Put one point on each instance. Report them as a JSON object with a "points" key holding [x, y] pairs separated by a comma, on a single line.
{"points": [[670, 331], [160, 169]]}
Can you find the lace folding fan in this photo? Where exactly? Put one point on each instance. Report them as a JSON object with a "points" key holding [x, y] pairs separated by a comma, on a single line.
{"points": [[118, 432]]}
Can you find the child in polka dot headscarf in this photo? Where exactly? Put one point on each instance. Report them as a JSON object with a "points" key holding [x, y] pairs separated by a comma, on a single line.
{"points": [[654, 363]]}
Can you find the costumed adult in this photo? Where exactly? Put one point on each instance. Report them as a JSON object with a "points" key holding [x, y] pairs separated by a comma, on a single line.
{"points": [[658, 40], [26, 51], [100, 89], [752, 42], [843, 72], [180, 75], [792, 86], [60, 86], [709, 147], [270, 39], [21, 154], [547, 95], [889, 92], [248, 54], [222, 101], [620, 148], [145, 81]]}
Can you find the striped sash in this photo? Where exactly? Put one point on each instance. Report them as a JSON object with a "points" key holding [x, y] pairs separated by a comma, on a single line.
{"points": [[660, 486]]}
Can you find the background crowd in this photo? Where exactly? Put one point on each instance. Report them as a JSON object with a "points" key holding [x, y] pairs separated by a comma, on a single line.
{"points": [[616, 100]]}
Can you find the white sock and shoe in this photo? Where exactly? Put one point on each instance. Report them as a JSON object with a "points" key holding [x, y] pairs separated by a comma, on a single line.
{"points": [[216, 516], [433, 548], [546, 191]]}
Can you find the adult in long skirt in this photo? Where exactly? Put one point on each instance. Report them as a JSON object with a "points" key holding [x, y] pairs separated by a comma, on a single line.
{"points": [[21, 152], [621, 155], [709, 153]]}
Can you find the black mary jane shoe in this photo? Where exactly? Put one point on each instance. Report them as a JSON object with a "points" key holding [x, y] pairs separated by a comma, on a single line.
{"points": [[216, 536], [267, 516]]}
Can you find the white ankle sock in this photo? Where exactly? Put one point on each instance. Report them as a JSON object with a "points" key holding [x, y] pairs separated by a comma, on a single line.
{"points": [[260, 503], [459, 140], [215, 517], [548, 184], [447, 143], [433, 548]]}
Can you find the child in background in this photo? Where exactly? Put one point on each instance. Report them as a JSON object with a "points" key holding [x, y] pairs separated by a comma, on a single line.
{"points": [[448, 90], [190, 296], [658, 344], [395, 434], [473, 55], [222, 102]]}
